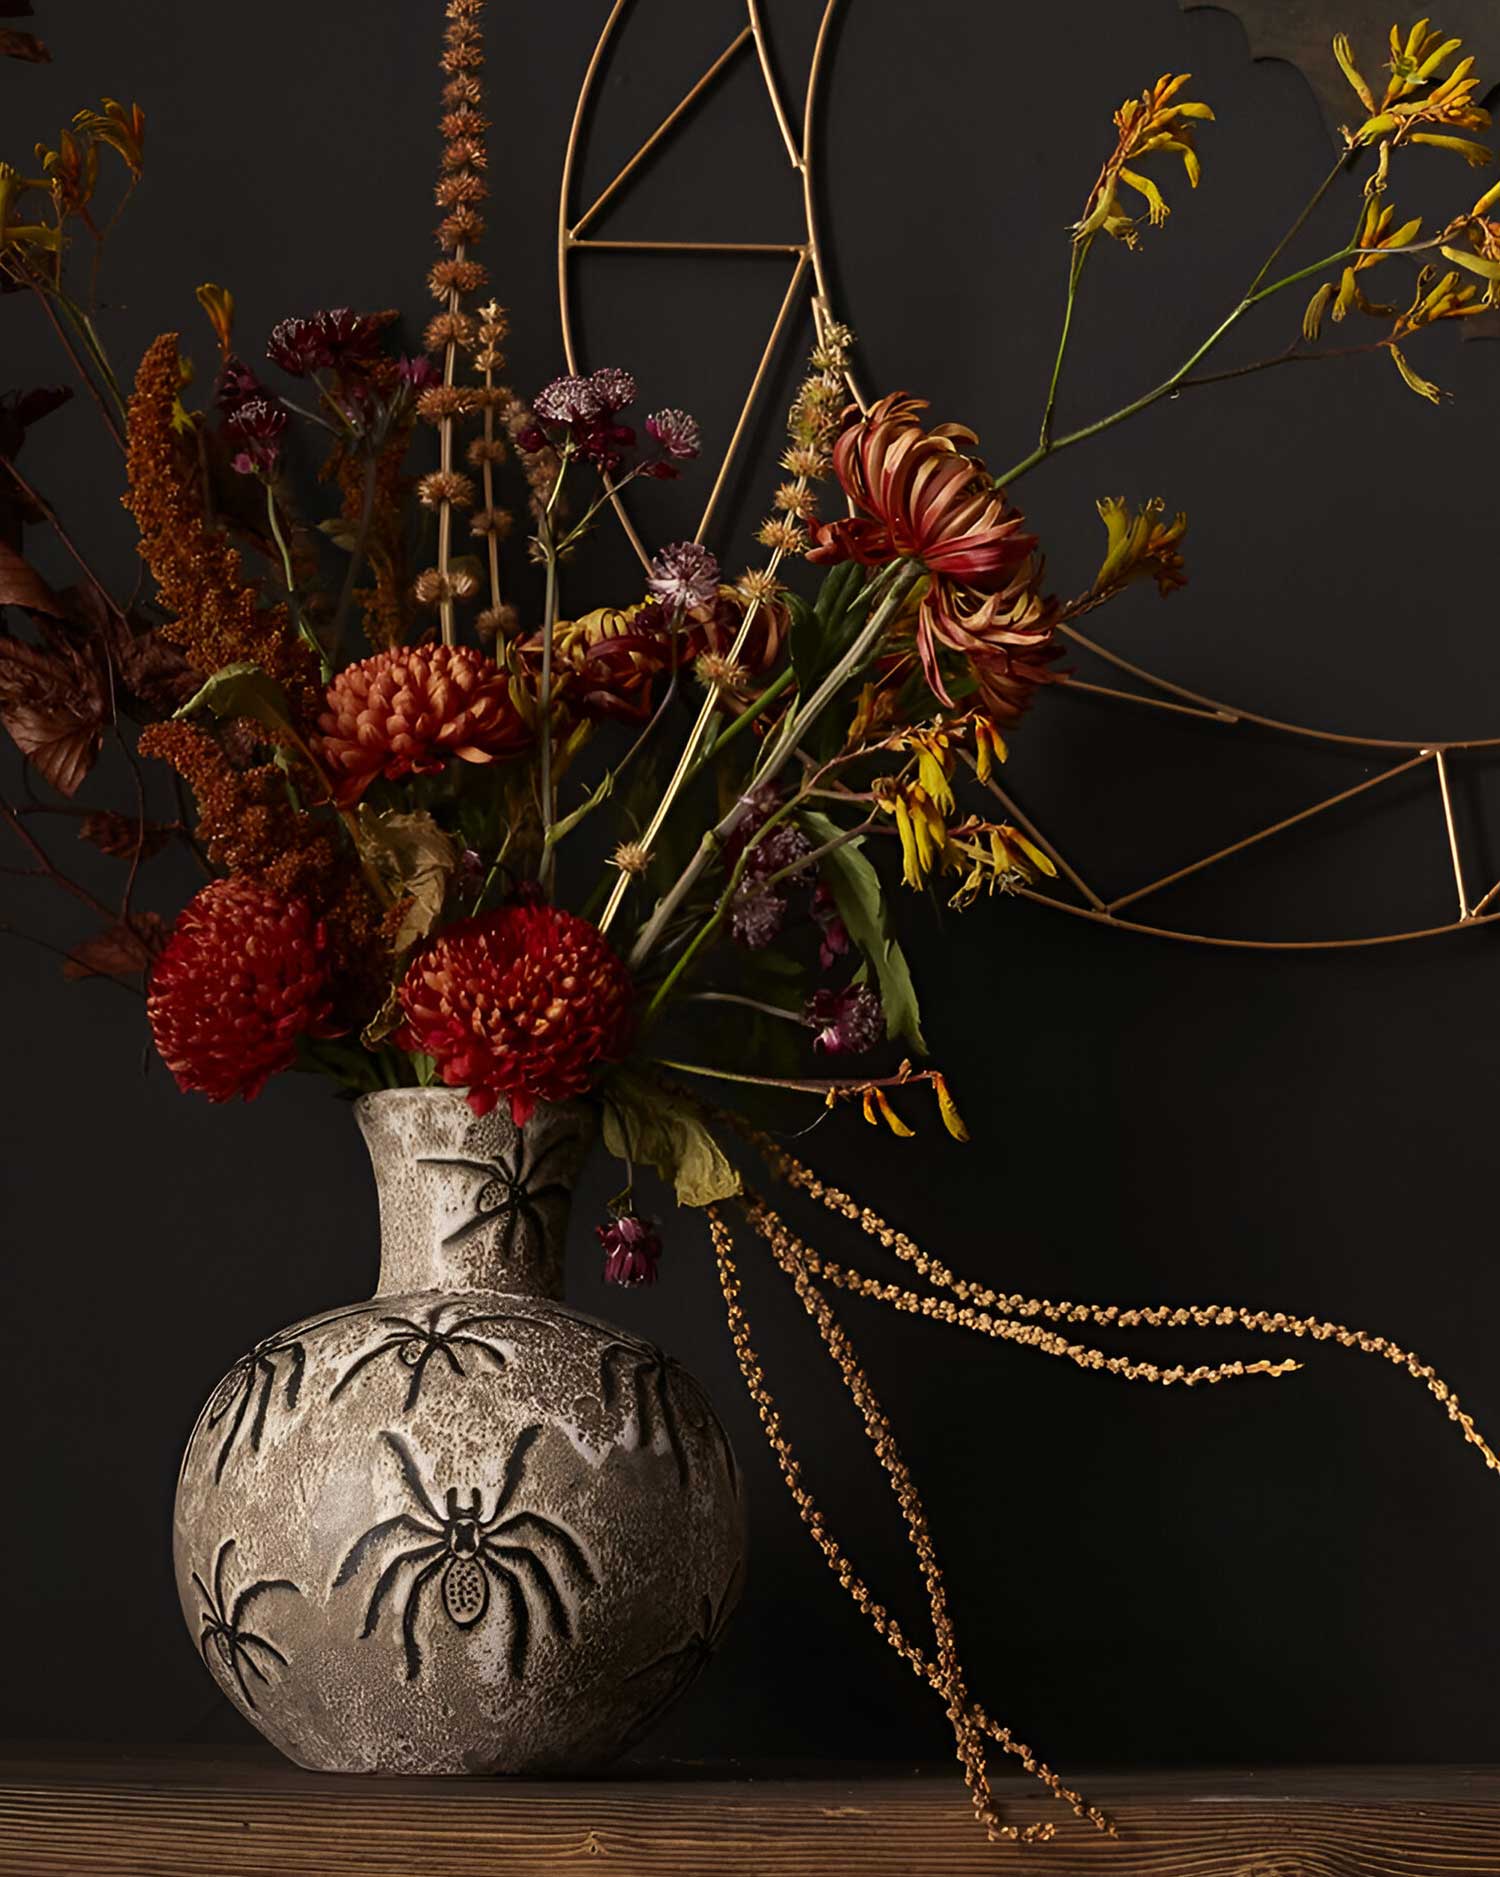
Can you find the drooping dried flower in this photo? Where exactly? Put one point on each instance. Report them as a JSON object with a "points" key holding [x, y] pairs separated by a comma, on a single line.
{"points": [[850, 1022], [410, 710], [528, 1002], [604, 662], [684, 575], [243, 976], [218, 303], [632, 1249], [676, 432], [256, 427]]}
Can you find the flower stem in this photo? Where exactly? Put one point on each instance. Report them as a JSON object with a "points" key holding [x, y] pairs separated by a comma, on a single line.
{"points": [[1168, 385], [547, 867], [1075, 274], [357, 552], [292, 600]]}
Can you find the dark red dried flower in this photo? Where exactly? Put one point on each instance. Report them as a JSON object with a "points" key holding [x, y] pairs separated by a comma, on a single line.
{"points": [[338, 340], [526, 1001], [849, 1022], [243, 975], [256, 428], [408, 711], [632, 1249]]}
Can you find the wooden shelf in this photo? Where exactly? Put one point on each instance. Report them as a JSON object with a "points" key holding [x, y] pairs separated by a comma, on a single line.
{"points": [[244, 1813]]}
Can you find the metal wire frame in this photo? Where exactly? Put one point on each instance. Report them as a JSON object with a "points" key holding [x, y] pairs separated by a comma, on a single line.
{"points": [[1430, 755], [805, 253]]}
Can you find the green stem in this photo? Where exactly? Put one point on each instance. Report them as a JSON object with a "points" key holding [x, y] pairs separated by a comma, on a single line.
{"points": [[780, 683], [1348, 157], [292, 600], [1075, 274], [1168, 385]]}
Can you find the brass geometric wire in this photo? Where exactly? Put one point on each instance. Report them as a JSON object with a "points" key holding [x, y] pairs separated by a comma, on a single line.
{"points": [[1429, 758]]}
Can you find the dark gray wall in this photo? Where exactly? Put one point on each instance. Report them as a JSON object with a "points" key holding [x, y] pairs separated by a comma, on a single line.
{"points": [[1298, 1570]]}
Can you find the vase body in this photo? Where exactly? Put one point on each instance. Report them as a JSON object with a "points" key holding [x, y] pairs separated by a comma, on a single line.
{"points": [[459, 1528]]}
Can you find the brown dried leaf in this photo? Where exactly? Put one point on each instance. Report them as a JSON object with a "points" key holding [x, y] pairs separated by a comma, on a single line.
{"points": [[122, 836], [53, 705], [416, 860], [14, 45], [22, 585], [125, 950]]}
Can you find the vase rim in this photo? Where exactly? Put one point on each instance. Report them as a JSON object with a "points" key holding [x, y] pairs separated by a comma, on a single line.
{"points": [[444, 1093]]}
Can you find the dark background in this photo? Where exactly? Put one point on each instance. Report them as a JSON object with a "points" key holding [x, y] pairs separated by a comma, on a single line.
{"points": [[1257, 1572]]}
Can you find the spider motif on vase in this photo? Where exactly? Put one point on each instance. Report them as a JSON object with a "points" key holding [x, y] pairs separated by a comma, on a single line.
{"points": [[415, 1344], [649, 1375], [234, 1646], [512, 1192], [684, 1663], [254, 1379], [463, 1549]]}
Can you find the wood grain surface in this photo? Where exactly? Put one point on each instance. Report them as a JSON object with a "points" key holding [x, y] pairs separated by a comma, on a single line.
{"points": [[245, 1814]]}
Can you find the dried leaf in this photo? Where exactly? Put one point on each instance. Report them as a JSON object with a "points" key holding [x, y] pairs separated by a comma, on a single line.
{"points": [[19, 410], [125, 950], [53, 704], [644, 1122], [16, 45], [415, 859], [22, 585]]}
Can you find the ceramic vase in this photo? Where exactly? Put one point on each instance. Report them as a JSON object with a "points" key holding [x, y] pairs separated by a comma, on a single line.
{"points": [[459, 1528]]}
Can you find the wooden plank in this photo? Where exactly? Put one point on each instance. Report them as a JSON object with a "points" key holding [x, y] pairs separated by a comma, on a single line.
{"points": [[241, 1814]]}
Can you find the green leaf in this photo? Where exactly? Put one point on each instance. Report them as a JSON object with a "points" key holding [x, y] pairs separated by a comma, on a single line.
{"points": [[666, 1130], [857, 893], [242, 690]]}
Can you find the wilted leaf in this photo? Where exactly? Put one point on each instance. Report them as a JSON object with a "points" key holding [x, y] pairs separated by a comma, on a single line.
{"points": [[122, 836], [415, 859], [125, 950], [643, 1122], [22, 585], [17, 45], [19, 410], [53, 704], [241, 690], [856, 890]]}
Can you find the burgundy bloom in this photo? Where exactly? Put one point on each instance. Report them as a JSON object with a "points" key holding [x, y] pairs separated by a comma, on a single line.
{"points": [[244, 974], [527, 1001], [338, 340], [418, 372], [918, 494], [257, 426], [833, 934], [848, 1023], [684, 575], [237, 385], [614, 387], [632, 1247], [568, 400], [583, 411], [676, 432], [756, 914]]}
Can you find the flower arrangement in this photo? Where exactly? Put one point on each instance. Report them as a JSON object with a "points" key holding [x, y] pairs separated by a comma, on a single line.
{"points": [[455, 835]]}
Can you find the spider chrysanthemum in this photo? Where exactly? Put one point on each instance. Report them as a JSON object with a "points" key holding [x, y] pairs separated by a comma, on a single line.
{"points": [[527, 1001], [243, 976], [410, 710]]}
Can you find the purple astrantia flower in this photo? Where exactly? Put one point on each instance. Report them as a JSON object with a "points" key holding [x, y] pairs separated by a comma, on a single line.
{"points": [[582, 411], [833, 934], [632, 1247], [614, 387], [847, 1023], [236, 385], [337, 340], [756, 915], [684, 575], [257, 426], [676, 432], [418, 372], [568, 400]]}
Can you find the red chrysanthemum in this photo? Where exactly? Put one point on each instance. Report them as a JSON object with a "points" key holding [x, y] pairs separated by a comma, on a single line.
{"points": [[407, 711], [918, 493], [526, 1001], [244, 974]]}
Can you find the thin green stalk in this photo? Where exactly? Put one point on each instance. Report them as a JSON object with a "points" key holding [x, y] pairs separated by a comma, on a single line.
{"points": [[780, 683], [1168, 385], [356, 552], [293, 602], [547, 867], [1344, 161], [1075, 274]]}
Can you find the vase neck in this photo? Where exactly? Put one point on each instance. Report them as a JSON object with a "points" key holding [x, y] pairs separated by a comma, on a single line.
{"points": [[470, 1203]]}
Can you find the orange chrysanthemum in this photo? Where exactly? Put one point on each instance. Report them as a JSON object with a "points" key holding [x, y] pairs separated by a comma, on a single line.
{"points": [[527, 1001], [409, 710]]}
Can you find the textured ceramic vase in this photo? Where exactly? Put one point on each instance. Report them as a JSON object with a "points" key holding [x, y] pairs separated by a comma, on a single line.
{"points": [[459, 1528]]}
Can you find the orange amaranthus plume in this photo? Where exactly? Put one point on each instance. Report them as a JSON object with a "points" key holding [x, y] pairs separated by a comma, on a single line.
{"points": [[921, 496]]}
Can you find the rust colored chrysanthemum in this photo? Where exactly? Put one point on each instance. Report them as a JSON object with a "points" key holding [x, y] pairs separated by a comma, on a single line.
{"points": [[407, 711], [527, 1001], [244, 974], [920, 495]]}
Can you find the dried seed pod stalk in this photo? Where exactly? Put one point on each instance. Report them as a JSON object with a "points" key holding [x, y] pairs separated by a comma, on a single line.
{"points": [[461, 187]]}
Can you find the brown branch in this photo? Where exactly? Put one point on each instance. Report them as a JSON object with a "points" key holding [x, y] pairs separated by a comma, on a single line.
{"points": [[49, 515]]}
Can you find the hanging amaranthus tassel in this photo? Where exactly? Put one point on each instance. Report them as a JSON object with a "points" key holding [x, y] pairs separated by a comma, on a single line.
{"points": [[1006, 1317]]}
